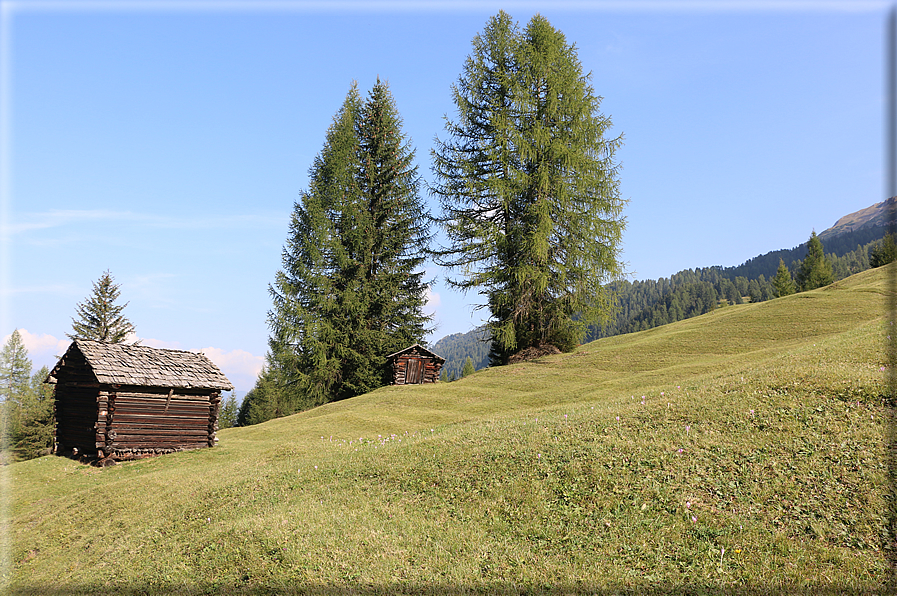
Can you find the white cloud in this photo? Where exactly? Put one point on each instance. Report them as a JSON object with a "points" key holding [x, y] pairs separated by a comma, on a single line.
{"points": [[41, 345], [433, 301], [239, 366]]}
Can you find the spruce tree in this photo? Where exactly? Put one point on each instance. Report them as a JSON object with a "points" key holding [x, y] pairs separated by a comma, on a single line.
{"points": [[528, 188], [351, 289], [815, 271], [782, 283], [99, 318]]}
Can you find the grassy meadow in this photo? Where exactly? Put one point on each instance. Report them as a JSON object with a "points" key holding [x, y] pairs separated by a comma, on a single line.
{"points": [[737, 452]]}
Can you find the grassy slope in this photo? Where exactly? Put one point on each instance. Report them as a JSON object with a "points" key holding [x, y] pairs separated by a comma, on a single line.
{"points": [[741, 448]]}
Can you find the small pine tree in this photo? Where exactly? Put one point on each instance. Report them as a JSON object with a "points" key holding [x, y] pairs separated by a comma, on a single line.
{"points": [[227, 418], [35, 433], [100, 318], [815, 271], [782, 283], [884, 252], [468, 368]]}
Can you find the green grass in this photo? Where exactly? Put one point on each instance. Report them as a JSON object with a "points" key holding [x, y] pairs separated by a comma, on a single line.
{"points": [[741, 451]]}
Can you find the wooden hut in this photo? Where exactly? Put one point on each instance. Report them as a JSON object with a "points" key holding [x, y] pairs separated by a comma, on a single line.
{"points": [[415, 365], [124, 401]]}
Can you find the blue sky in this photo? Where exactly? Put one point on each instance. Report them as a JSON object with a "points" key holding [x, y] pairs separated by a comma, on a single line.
{"points": [[167, 142]]}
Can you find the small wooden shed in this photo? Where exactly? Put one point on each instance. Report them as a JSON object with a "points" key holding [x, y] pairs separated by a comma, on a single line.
{"points": [[415, 365], [124, 401]]}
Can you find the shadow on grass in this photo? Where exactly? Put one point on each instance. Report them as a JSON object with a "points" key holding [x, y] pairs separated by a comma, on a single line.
{"points": [[437, 589]]}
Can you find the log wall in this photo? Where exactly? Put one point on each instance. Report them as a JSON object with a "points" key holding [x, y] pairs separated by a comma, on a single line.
{"points": [[150, 421], [429, 374], [127, 422]]}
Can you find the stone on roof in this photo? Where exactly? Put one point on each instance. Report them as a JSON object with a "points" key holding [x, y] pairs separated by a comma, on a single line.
{"points": [[124, 364]]}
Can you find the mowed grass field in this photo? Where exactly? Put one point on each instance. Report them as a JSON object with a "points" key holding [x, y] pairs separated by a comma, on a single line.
{"points": [[737, 452]]}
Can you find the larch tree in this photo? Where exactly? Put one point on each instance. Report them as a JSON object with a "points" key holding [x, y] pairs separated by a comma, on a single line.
{"points": [[15, 369], [529, 189], [815, 271], [351, 289], [99, 317]]}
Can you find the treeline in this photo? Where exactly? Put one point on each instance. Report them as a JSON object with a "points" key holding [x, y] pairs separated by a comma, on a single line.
{"points": [[646, 304], [836, 247]]}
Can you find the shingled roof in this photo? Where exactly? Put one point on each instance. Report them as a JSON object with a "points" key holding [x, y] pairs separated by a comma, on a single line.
{"points": [[122, 364], [420, 350]]}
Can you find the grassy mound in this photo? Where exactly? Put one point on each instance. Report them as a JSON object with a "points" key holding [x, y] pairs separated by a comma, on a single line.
{"points": [[739, 451]]}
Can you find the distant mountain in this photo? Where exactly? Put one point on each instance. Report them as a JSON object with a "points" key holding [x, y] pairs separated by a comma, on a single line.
{"points": [[870, 217], [455, 348]]}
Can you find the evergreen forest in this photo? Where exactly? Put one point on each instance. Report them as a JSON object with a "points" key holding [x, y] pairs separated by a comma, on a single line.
{"points": [[645, 304]]}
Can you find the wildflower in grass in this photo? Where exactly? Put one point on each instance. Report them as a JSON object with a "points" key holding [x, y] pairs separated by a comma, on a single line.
{"points": [[680, 450], [618, 418], [693, 519], [688, 504], [687, 429], [752, 413]]}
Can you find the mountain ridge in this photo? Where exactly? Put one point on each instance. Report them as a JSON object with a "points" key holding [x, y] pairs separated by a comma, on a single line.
{"points": [[872, 216]]}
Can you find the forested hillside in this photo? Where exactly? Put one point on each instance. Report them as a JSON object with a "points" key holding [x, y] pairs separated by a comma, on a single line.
{"points": [[647, 304], [644, 304], [455, 348], [840, 246]]}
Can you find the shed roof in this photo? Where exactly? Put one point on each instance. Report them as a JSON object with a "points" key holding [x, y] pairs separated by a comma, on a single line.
{"points": [[421, 350], [123, 364]]}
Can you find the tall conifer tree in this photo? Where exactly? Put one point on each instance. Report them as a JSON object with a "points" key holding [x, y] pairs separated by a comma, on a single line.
{"points": [[100, 318], [528, 188], [351, 290]]}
